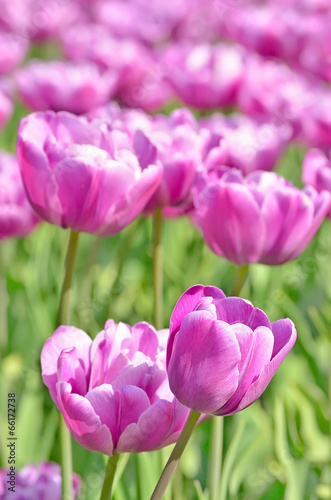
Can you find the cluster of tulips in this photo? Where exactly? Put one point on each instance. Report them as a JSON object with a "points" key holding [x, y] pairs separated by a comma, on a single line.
{"points": [[91, 166]]}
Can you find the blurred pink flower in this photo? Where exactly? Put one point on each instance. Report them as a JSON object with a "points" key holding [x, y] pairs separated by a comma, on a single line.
{"points": [[316, 171], [251, 144], [260, 218], [222, 352], [6, 105], [36, 482], [204, 76], [80, 174], [12, 52], [140, 80], [150, 22], [272, 90], [16, 215], [64, 86], [317, 129], [113, 391]]}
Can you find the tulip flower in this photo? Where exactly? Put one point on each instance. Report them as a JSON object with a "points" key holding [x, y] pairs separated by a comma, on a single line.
{"points": [[6, 106], [251, 144], [64, 86], [12, 51], [16, 215], [204, 76], [222, 352], [260, 218], [272, 90], [42, 482], [113, 391], [79, 174], [316, 171]]}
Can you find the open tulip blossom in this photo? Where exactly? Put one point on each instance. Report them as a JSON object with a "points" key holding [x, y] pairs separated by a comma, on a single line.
{"points": [[316, 171], [113, 391], [17, 218], [258, 218], [222, 352], [35, 482], [81, 175]]}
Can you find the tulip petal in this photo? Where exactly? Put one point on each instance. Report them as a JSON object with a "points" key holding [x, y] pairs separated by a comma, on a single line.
{"points": [[236, 310], [149, 431], [63, 338], [256, 351], [284, 338], [204, 352], [230, 219], [186, 304], [83, 422]]}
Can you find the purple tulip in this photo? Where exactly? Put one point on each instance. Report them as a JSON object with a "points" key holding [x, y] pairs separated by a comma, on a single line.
{"points": [[6, 105], [36, 482], [317, 130], [272, 90], [204, 76], [149, 22], [316, 171], [12, 52], [64, 86], [16, 215], [113, 391], [251, 144], [222, 352], [260, 218], [81, 175]]}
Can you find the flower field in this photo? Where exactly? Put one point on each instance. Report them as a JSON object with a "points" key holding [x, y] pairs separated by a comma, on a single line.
{"points": [[165, 244]]}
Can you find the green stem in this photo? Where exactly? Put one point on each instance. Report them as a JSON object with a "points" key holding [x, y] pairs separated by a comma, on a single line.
{"points": [[109, 477], [172, 463], [3, 304], [63, 319], [241, 277], [215, 461], [64, 309], [158, 269]]}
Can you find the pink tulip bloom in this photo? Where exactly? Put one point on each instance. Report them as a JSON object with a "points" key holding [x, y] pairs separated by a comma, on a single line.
{"points": [[175, 141], [222, 352], [316, 171], [204, 76], [36, 482], [17, 218], [64, 86], [140, 81], [6, 105], [260, 218], [12, 51], [317, 130], [113, 391], [81, 175], [271, 89], [149, 22], [251, 144]]}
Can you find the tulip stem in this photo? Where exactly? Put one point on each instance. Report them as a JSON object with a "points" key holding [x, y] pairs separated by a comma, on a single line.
{"points": [[4, 303], [63, 319], [64, 309], [109, 477], [158, 269], [173, 460], [241, 277], [215, 461]]}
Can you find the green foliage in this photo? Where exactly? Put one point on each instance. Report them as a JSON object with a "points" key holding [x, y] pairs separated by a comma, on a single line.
{"points": [[278, 448]]}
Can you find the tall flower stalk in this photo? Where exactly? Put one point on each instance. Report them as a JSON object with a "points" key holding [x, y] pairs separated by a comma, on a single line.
{"points": [[158, 269], [63, 319], [177, 452], [109, 477]]}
